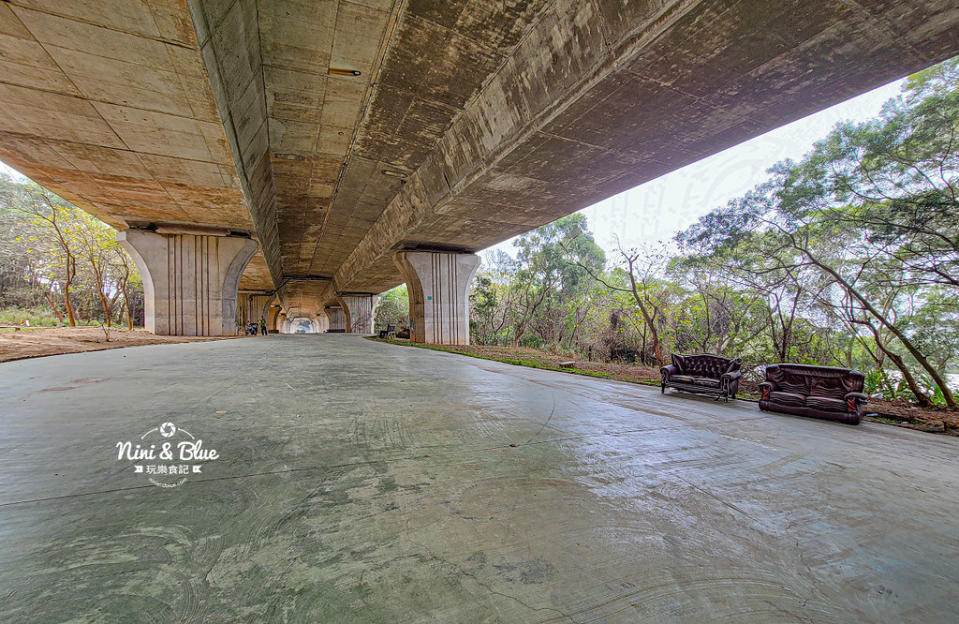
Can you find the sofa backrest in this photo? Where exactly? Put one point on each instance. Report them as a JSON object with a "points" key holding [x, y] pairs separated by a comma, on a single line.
{"points": [[705, 364], [809, 380]]}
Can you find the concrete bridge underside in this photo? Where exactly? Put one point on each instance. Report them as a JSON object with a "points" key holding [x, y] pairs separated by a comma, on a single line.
{"points": [[343, 135]]}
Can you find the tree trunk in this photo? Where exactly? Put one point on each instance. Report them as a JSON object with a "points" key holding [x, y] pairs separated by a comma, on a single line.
{"points": [[53, 306], [650, 320], [107, 311], [126, 306], [71, 273]]}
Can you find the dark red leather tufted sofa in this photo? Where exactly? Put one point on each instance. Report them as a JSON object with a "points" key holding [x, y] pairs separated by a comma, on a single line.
{"points": [[817, 391]]}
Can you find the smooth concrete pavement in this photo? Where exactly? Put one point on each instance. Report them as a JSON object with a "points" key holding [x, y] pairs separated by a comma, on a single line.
{"points": [[364, 482]]}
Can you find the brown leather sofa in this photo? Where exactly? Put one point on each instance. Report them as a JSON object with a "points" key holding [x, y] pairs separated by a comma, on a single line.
{"points": [[703, 373], [816, 391]]}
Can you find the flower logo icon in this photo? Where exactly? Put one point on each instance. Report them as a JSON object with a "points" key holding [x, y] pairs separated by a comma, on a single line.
{"points": [[167, 429]]}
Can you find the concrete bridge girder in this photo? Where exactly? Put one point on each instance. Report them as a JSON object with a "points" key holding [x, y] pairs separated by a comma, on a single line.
{"points": [[305, 299]]}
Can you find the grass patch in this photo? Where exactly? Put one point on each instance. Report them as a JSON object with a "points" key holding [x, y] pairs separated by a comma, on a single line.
{"points": [[37, 317]]}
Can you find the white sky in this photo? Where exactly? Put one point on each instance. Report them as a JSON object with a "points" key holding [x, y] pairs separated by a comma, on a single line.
{"points": [[9, 171], [655, 211]]}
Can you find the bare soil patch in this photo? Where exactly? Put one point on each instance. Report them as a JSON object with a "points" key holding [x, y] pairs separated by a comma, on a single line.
{"points": [[899, 413], [29, 343]]}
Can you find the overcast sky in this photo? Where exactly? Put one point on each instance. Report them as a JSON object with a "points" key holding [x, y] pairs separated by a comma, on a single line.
{"points": [[655, 211]]}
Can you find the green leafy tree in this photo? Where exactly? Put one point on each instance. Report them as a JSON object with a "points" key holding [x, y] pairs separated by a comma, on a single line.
{"points": [[393, 308]]}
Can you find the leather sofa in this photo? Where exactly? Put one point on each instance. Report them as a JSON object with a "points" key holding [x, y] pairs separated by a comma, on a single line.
{"points": [[703, 373], [816, 391]]}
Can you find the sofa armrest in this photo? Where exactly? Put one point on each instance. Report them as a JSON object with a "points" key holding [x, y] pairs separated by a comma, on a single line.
{"points": [[766, 387], [856, 399], [730, 382], [669, 369]]}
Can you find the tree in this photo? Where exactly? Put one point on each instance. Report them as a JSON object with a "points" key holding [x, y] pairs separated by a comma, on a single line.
{"points": [[60, 244], [554, 265]]}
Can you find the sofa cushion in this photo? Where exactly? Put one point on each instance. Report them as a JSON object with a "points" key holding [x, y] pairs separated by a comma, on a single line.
{"points": [[681, 378], [787, 398], [826, 403], [706, 381]]}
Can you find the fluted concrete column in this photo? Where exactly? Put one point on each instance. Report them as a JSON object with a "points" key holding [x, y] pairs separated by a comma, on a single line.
{"points": [[189, 280], [438, 287], [359, 310], [337, 319]]}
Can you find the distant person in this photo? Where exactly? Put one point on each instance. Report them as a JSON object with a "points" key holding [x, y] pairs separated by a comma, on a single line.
{"points": [[262, 326]]}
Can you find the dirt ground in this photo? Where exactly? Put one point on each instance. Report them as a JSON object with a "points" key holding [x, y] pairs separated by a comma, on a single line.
{"points": [[29, 343], [897, 413]]}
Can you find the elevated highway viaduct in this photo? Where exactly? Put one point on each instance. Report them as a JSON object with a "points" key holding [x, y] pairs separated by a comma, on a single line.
{"points": [[315, 153]]}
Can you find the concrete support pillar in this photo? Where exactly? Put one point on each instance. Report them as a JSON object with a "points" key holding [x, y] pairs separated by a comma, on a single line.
{"points": [[438, 286], [321, 322], [273, 314], [337, 319], [189, 280], [359, 309]]}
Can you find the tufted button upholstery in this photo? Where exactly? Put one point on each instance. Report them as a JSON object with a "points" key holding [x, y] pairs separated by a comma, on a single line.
{"points": [[703, 372]]}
